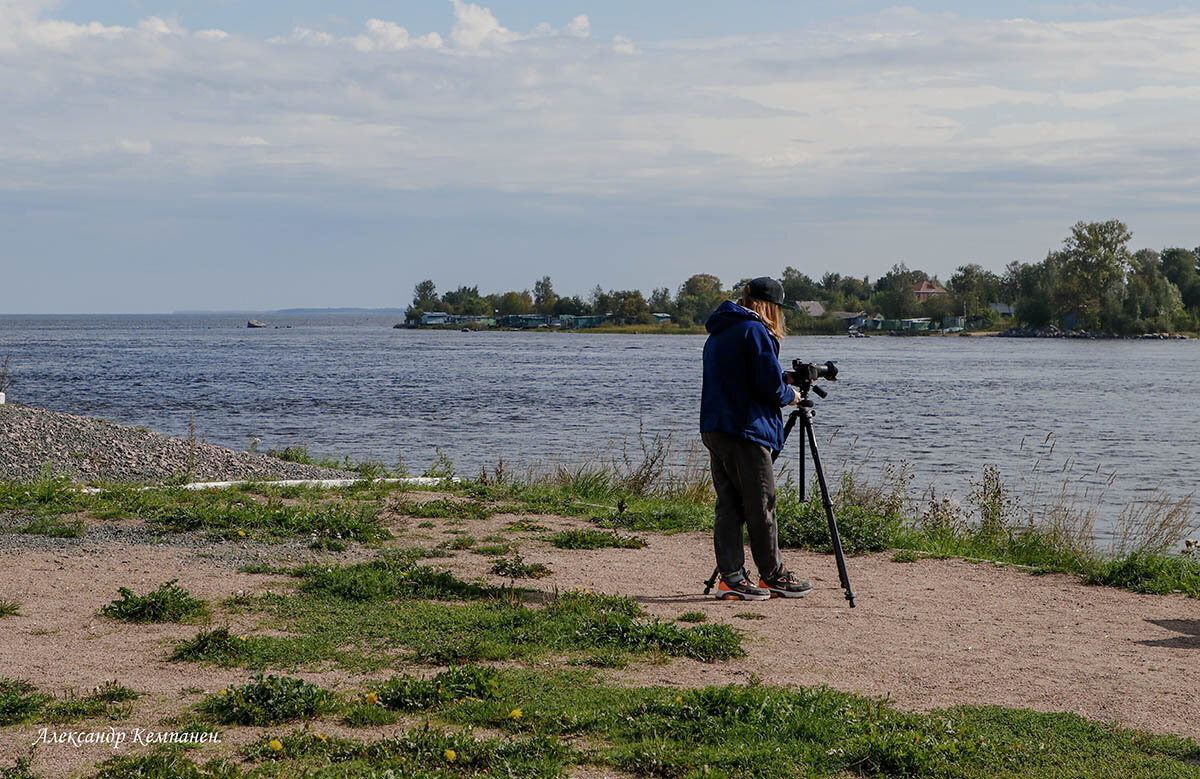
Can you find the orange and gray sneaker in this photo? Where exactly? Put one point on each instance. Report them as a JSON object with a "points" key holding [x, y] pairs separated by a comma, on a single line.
{"points": [[784, 584], [737, 586]]}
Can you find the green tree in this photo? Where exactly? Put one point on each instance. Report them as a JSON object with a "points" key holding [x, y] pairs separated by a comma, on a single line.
{"points": [[514, 303], [629, 307], [573, 305], [974, 288], [1152, 302], [466, 301], [698, 297], [425, 297], [797, 286], [543, 296], [660, 301], [894, 296], [1182, 268], [1091, 270]]}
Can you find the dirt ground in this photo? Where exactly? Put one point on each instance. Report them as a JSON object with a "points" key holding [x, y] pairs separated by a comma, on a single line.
{"points": [[929, 634]]}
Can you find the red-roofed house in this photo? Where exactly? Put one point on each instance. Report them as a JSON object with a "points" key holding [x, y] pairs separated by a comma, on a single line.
{"points": [[927, 289]]}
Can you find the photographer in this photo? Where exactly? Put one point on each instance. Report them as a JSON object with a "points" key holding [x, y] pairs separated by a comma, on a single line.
{"points": [[740, 425]]}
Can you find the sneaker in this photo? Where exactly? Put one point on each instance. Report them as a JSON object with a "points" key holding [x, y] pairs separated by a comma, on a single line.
{"points": [[785, 585], [737, 586]]}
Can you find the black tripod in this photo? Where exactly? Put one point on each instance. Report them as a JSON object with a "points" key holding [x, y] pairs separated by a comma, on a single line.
{"points": [[805, 412]]}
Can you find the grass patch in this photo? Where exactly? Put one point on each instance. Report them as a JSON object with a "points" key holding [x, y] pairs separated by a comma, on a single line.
{"points": [[275, 520], [19, 701], [358, 616], [692, 616], [54, 528], [105, 701], [169, 603], [443, 508], [515, 567], [9, 608], [905, 556], [269, 700], [595, 539]]}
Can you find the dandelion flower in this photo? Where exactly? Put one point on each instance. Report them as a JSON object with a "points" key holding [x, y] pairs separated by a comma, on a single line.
{"points": [[372, 698], [223, 692], [323, 739], [241, 532], [241, 638], [679, 699], [450, 755], [275, 744], [515, 714]]}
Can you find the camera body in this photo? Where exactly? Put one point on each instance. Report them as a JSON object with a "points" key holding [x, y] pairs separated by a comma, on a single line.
{"points": [[805, 373]]}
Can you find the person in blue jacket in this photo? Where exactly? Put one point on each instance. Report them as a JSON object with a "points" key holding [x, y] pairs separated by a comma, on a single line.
{"points": [[740, 424]]}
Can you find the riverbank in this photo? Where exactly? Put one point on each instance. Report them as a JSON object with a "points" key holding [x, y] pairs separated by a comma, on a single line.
{"points": [[555, 607], [572, 647], [85, 449]]}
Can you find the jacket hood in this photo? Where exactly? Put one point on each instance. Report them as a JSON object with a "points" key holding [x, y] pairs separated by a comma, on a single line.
{"points": [[727, 315]]}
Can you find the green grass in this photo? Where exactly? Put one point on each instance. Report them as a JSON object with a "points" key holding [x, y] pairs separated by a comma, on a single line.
{"points": [[595, 539], [19, 701], [105, 701], [54, 528], [358, 616], [515, 567], [542, 723], [269, 700], [443, 508], [168, 603], [692, 616], [9, 608]]}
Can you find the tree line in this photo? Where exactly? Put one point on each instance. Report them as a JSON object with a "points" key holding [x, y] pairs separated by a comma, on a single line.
{"points": [[1094, 281]]}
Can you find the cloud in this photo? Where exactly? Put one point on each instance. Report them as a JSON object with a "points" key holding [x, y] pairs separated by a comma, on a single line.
{"points": [[850, 106], [388, 36]]}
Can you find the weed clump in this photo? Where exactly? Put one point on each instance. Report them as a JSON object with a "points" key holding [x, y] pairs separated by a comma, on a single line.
{"points": [[54, 528], [218, 646], [19, 701], [269, 700], [9, 608], [102, 701], [469, 682], [169, 603], [595, 539]]}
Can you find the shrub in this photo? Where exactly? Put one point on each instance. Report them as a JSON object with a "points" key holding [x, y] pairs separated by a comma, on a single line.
{"points": [[269, 700], [169, 603], [215, 646]]}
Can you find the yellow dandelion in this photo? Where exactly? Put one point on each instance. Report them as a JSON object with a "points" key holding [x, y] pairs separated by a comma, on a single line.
{"points": [[275, 744], [450, 755], [323, 739], [223, 692], [515, 714], [372, 698], [679, 699], [241, 532], [241, 638]]}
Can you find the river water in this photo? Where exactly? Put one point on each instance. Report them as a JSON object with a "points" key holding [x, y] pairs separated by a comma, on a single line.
{"points": [[1113, 419]]}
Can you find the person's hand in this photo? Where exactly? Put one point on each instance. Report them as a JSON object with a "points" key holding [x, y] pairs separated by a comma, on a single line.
{"points": [[795, 397]]}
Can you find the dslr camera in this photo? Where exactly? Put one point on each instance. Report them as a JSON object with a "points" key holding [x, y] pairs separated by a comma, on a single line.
{"points": [[803, 374]]}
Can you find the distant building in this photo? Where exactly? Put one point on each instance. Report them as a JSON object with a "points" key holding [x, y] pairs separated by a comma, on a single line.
{"points": [[435, 318], [927, 289], [813, 308], [662, 318], [1003, 309]]}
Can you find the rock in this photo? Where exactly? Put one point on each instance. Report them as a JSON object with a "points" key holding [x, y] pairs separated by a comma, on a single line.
{"points": [[255, 323]]}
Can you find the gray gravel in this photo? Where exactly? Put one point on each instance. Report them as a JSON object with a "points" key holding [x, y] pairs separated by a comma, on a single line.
{"points": [[95, 450]]}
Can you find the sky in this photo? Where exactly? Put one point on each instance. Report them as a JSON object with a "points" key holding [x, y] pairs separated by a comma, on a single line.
{"points": [[163, 155]]}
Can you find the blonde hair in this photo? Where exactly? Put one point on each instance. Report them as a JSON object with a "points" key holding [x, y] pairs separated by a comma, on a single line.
{"points": [[771, 314]]}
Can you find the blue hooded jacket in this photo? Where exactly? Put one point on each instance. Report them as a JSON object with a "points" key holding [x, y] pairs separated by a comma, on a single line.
{"points": [[743, 387]]}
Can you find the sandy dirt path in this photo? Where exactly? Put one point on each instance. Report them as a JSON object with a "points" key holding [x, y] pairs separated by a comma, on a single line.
{"points": [[929, 634]]}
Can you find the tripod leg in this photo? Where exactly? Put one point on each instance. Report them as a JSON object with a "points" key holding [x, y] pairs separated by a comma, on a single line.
{"points": [[833, 528]]}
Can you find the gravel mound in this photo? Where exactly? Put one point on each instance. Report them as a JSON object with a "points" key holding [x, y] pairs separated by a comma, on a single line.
{"points": [[89, 450]]}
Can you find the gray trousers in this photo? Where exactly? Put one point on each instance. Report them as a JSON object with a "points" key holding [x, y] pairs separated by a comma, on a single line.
{"points": [[744, 479]]}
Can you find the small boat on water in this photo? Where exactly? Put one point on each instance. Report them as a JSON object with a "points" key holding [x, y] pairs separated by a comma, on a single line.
{"points": [[854, 332], [255, 323]]}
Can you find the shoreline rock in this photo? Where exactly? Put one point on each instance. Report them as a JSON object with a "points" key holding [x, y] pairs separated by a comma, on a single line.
{"points": [[87, 449]]}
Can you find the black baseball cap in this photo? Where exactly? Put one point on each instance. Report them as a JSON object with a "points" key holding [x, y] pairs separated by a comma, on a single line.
{"points": [[766, 288]]}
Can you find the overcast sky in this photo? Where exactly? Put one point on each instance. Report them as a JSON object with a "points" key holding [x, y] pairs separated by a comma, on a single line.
{"points": [[158, 155]]}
